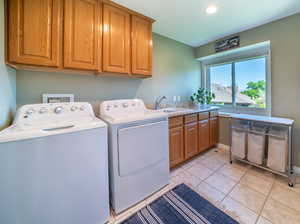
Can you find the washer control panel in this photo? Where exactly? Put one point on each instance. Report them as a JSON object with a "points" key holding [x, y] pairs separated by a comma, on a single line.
{"points": [[53, 112]]}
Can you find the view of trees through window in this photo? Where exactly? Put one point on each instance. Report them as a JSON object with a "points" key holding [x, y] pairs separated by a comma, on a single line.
{"points": [[240, 83]]}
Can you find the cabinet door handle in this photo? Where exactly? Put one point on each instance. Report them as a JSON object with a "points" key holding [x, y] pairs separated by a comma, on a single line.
{"points": [[203, 122]]}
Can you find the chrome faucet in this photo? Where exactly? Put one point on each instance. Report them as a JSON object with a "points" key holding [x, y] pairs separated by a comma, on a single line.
{"points": [[158, 102]]}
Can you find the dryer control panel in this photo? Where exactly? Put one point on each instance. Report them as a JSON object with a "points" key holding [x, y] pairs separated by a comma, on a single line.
{"points": [[122, 107]]}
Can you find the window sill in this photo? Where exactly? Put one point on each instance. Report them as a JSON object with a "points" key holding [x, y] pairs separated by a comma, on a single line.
{"points": [[244, 110]]}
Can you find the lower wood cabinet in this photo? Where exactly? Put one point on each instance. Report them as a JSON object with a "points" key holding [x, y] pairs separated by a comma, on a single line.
{"points": [[203, 135], [176, 142], [190, 139], [191, 134], [214, 131]]}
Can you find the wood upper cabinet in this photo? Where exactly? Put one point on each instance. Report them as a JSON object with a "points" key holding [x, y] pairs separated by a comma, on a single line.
{"points": [[82, 34], [214, 130], [176, 142], [89, 36], [34, 32], [191, 139], [204, 132], [116, 39], [141, 49]]}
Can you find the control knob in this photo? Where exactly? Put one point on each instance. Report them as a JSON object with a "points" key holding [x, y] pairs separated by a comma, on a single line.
{"points": [[74, 108], [30, 111], [43, 110], [58, 110]]}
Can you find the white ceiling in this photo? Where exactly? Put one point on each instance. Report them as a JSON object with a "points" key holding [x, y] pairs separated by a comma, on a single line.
{"points": [[186, 20]]}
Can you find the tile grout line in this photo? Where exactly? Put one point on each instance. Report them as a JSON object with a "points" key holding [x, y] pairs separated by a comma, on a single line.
{"points": [[208, 183], [248, 171], [285, 205], [234, 187], [255, 189], [213, 172], [268, 196], [228, 195]]}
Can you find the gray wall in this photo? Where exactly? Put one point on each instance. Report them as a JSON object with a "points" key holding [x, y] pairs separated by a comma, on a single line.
{"points": [[175, 72], [284, 35], [7, 80], [224, 130]]}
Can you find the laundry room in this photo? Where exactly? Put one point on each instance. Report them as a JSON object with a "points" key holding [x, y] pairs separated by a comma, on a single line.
{"points": [[135, 111]]}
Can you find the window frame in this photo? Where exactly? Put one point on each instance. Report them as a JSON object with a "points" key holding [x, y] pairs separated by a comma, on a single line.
{"points": [[233, 108]]}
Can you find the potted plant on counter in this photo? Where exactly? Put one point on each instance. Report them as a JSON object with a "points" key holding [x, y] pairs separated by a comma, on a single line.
{"points": [[202, 97]]}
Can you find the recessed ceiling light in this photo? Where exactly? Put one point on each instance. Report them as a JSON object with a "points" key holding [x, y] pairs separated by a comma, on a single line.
{"points": [[211, 9]]}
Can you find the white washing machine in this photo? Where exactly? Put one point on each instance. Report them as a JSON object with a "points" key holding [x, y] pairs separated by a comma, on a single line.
{"points": [[53, 166], [138, 151]]}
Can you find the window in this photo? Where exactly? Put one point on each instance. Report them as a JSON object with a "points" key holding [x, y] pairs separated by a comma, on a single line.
{"points": [[250, 83], [221, 84], [240, 83]]}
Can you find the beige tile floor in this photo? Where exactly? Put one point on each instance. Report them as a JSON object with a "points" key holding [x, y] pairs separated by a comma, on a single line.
{"points": [[248, 194]]}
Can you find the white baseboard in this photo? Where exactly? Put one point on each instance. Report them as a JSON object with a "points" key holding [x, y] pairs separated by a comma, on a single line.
{"points": [[223, 146], [297, 170], [227, 147]]}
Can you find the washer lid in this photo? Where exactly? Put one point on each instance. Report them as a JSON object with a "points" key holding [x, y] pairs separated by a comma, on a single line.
{"points": [[38, 120]]}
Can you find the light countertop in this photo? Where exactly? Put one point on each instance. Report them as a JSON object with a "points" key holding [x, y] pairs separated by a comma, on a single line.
{"points": [[173, 112], [267, 119], [179, 111]]}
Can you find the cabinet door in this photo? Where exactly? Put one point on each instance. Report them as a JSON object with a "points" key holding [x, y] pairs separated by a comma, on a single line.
{"points": [[191, 139], [34, 32], [176, 145], [116, 39], [82, 36], [141, 50], [214, 131], [204, 141]]}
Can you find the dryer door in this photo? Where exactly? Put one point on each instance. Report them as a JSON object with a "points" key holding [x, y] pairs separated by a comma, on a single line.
{"points": [[142, 146]]}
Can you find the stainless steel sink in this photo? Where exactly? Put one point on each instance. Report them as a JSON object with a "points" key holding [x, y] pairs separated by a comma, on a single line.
{"points": [[169, 110], [173, 109]]}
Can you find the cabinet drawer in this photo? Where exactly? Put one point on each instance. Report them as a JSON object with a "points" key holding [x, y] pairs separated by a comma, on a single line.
{"points": [[190, 118], [175, 121], [203, 116], [214, 113], [204, 123]]}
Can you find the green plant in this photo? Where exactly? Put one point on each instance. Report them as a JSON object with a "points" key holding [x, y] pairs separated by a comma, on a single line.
{"points": [[203, 96], [255, 89]]}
